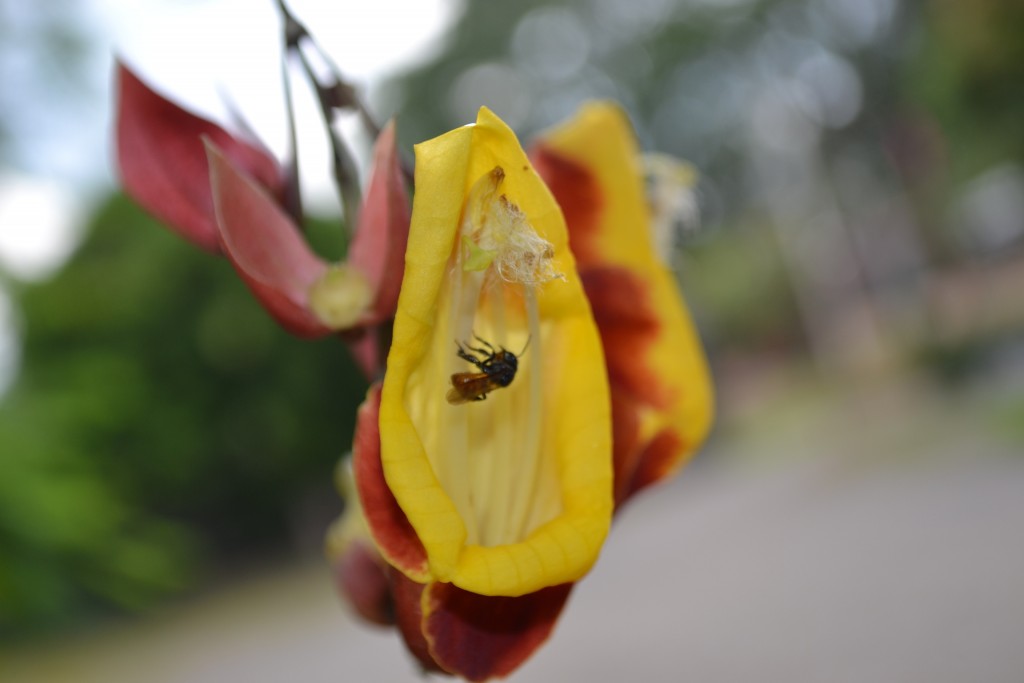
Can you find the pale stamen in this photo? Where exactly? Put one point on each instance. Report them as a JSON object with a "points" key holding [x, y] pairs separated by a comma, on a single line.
{"points": [[672, 201], [492, 456], [501, 238]]}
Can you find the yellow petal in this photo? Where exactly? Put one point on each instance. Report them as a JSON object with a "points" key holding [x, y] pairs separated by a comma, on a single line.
{"points": [[510, 494], [670, 366]]}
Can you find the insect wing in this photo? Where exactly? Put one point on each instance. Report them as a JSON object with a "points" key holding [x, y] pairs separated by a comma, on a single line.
{"points": [[469, 386]]}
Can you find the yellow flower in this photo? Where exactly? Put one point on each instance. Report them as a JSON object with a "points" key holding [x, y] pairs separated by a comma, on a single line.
{"points": [[662, 395], [529, 390], [509, 494]]}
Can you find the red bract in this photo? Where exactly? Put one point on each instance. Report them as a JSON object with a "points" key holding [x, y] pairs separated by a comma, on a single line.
{"points": [[378, 247], [226, 195], [163, 164], [362, 575], [265, 246]]}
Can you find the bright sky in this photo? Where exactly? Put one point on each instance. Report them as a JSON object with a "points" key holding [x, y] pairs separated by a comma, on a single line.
{"points": [[199, 52], [202, 51]]}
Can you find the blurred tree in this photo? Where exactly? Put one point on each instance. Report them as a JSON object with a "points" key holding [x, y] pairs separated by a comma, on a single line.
{"points": [[161, 423], [967, 71]]}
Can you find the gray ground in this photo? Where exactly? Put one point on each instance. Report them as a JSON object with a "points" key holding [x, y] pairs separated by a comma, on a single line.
{"points": [[870, 535]]}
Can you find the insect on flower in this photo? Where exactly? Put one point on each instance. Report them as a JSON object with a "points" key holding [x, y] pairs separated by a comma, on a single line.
{"points": [[497, 369]]}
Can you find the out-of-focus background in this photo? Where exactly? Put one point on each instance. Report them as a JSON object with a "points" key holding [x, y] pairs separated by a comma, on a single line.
{"points": [[166, 452]]}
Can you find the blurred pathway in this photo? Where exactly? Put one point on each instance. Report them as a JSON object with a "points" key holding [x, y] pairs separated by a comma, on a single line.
{"points": [[871, 537]]}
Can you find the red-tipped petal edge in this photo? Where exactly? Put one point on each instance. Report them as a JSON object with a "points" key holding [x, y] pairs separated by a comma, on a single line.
{"points": [[408, 600], [391, 529], [378, 247]]}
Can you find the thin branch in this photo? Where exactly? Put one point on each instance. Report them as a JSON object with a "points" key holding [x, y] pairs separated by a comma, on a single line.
{"points": [[339, 93], [333, 95], [346, 176], [293, 193]]}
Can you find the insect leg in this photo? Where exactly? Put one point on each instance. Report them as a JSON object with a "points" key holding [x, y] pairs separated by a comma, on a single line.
{"points": [[465, 355], [525, 346], [490, 348]]}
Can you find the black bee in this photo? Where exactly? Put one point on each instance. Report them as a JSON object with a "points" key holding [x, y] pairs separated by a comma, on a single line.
{"points": [[497, 369]]}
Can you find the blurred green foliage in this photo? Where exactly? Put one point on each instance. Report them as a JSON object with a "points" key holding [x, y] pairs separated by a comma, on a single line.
{"points": [[968, 72], [162, 423], [1008, 419], [718, 276]]}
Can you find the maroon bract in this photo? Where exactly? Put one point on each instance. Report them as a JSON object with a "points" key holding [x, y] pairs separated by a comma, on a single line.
{"points": [[265, 247], [226, 195], [378, 247], [163, 164]]}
